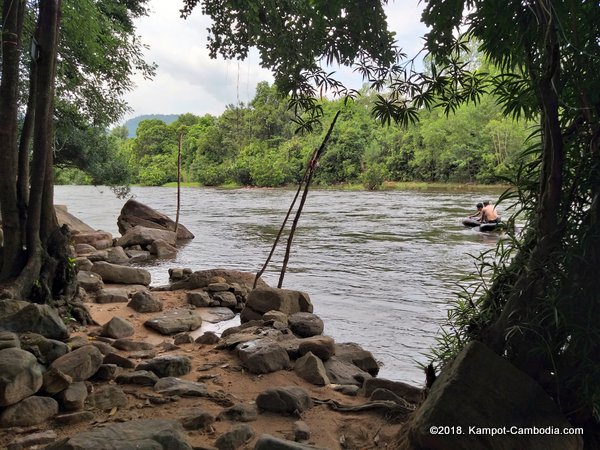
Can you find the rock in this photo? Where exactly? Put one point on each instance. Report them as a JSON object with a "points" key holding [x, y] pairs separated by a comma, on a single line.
{"points": [[118, 360], [343, 372], [176, 273], [172, 386], [113, 273], [216, 314], [73, 398], [490, 393], [129, 345], [85, 265], [104, 347], [218, 287], [98, 255], [9, 307], [139, 377], [84, 249], [311, 369], [321, 346], [242, 412], [162, 249], [284, 400], [208, 337], [202, 278], [355, 354], [305, 324], [182, 338], [20, 375], [33, 440], [107, 397], [55, 381], [90, 281], [350, 390], [80, 364], [39, 319], [74, 417], [66, 218], [28, 412], [107, 372], [175, 321], [145, 236], [268, 442], [262, 356], [137, 255], [226, 299], [9, 340], [135, 213], [117, 328], [409, 393], [168, 365], [253, 325], [150, 434], [145, 302], [264, 299], [301, 431], [116, 255], [234, 438], [196, 419], [112, 295], [385, 395], [97, 239], [198, 298], [276, 316]]}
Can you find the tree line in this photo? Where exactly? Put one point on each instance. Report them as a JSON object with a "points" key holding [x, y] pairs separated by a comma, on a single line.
{"points": [[256, 144]]}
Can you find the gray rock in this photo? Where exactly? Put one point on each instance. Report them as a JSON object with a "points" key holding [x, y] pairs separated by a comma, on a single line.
{"points": [[113, 273], [73, 398], [321, 346], [406, 391], [216, 314], [107, 397], [301, 431], [107, 372], [284, 400], [183, 338], [343, 372], [217, 287], [145, 302], [208, 337], [98, 255], [130, 345], [355, 354], [104, 347], [162, 249], [137, 255], [82, 249], [226, 299], [176, 273], [83, 265], [175, 321], [20, 375], [118, 360], [350, 390], [196, 419], [80, 364], [45, 350], [116, 255], [268, 442], [56, 381], [202, 278], [311, 369], [168, 365], [74, 417], [9, 340], [139, 377], [264, 299], [33, 440], [146, 434], [97, 239], [234, 438], [262, 356], [135, 213], [172, 386], [112, 295], [385, 395], [9, 307], [28, 412], [39, 319], [117, 328], [88, 280], [198, 298], [276, 316], [305, 324], [242, 412]]}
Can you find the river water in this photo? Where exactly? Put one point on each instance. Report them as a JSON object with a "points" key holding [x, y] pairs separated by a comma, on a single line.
{"points": [[380, 267]]}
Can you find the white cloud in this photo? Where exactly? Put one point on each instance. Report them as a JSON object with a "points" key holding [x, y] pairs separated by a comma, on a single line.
{"points": [[188, 80]]}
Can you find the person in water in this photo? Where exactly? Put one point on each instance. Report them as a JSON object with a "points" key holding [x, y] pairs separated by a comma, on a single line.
{"points": [[478, 214], [488, 214]]}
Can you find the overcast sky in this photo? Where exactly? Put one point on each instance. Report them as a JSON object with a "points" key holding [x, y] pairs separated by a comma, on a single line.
{"points": [[187, 80]]}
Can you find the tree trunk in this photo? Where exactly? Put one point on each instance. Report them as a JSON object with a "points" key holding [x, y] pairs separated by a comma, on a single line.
{"points": [[12, 20]]}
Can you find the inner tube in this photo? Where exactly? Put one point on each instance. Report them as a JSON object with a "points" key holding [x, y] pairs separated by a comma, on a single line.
{"points": [[488, 226], [468, 222]]}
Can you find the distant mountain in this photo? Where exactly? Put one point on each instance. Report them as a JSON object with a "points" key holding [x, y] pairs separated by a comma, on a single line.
{"points": [[133, 123]]}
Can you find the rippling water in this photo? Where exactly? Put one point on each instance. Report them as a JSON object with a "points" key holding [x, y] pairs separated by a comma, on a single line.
{"points": [[380, 267]]}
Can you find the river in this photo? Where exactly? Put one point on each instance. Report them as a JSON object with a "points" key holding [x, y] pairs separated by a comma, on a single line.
{"points": [[380, 267]]}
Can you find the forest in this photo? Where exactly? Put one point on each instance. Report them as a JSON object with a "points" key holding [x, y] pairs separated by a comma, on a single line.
{"points": [[256, 144]]}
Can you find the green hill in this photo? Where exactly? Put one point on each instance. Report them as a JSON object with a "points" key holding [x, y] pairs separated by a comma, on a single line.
{"points": [[133, 123]]}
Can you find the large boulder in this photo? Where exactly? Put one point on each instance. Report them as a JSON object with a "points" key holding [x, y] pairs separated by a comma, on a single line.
{"points": [[175, 321], [155, 434], [263, 356], [80, 364], [167, 365], [284, 400], [20, 375], [265, 299], [311, 368], [202, 278], [100, 240], [40, 319], [28, 412], [305, 324], [113, 273], [482, 391], [66, 218], [135, 213], [355, 354], [145, 236]]}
